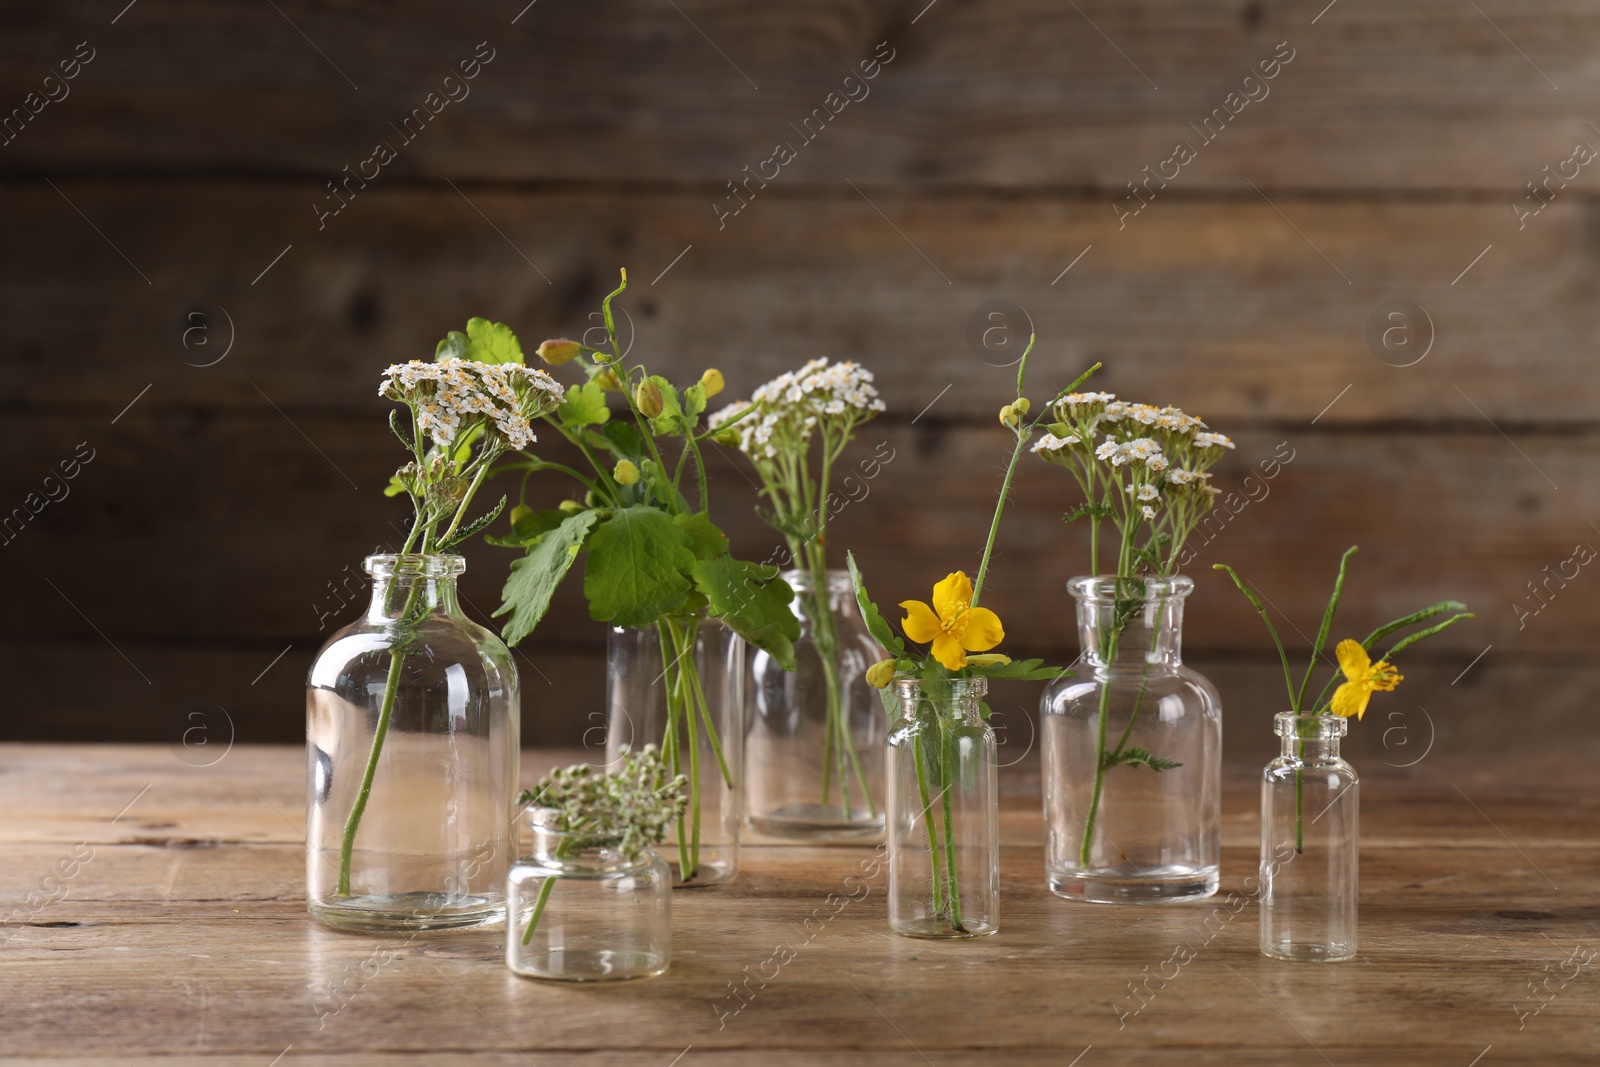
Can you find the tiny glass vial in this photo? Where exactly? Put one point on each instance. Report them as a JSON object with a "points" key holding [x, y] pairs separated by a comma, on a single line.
{"points": [[944, 812], [583, 911], [1310, 839]]}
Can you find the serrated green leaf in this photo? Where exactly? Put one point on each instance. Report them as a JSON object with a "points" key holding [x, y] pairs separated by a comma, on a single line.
{"points": [[705, 540], [585, 406], [1139, 757], [639, 567], [492, 342], [753, 602], [535, 577], [1025, 670], [877, 625], [694, 402], [619, 438], [463, 533], [395, 486], [454, 346]]}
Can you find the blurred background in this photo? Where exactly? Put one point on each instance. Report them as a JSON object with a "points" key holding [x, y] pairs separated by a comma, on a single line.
{"points": [[1359, 238]]}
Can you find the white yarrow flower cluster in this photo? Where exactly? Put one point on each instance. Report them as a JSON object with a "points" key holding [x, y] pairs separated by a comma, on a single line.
{"points": [[793, 403], [1139, 451], [1051, 443], [453, 393]]}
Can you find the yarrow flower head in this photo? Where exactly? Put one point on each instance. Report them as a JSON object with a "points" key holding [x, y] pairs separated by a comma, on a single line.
{"points": [[789, 407], [629, 808], [451, 396]]}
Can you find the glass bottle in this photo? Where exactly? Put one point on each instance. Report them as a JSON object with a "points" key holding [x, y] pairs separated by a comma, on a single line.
{"points": [[944, 812], [1132, 753], [679, 685], [411, 759], [1310, 839], [815, 739], [585, 911]]}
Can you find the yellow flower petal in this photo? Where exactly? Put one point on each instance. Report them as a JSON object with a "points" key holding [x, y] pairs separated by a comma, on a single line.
{"points": [[1384, 677], [981, 630], [920, 623], [1351, 698], [948, 651], [1353, 660], [951, 597]]}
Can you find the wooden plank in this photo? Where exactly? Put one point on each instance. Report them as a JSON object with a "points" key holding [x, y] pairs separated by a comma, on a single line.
{"points": [[1431, 96], [1222, 308], [148, 949]]}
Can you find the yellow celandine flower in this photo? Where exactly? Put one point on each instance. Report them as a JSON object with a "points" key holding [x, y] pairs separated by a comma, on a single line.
{"points": [[1365, 678], [952, 625], [713, 381]]}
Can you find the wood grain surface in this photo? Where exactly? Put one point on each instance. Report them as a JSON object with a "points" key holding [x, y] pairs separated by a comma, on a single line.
{"points": [[179, 299], [181, 937]]}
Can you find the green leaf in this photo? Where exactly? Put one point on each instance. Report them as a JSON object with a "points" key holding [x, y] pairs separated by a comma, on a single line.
{"points": [[394, 424], [454, 346], [638, 569], [670, 421], [585, 406], [877, 625], [621, 439], [705, 540], [694, 402], [1090, 511], [753, 602], [1024, 670], [395, 486], [465, 532], [1138, 756], [492, 342], [526, 531], [534, 577]]}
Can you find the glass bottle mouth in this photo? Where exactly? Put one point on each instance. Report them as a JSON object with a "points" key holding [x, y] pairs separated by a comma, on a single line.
{"points": [[800, 581], [1106, 588], [1310, 727], [415, 565], [550, 839]]}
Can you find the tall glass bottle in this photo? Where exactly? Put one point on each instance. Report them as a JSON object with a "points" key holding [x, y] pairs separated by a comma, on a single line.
{"points": [[1310, 838], [411, 759], [815, 739], [944, 812], [1132, 753], [680, 686]]}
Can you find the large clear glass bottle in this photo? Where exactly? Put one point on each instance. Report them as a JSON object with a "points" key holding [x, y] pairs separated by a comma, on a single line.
{"points": [[814, 746], [1132, 753], [582, 910], [679, 685], [411, 759], [1310, 841], [944, 812]]}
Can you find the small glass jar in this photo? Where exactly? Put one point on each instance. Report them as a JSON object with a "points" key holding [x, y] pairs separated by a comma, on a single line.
{"points": [[581, 910], [814, 745], [1310, 843], [679, 685], [411, 759], [1132, 753], [944, 812]]}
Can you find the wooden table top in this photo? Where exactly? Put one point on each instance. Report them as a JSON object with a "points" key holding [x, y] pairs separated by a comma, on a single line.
{"points": [[179, 935]]}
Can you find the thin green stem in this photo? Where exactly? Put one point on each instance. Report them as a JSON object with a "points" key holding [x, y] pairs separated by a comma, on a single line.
{"points": [[937, 861], [1108, 655], [949, 771], [391, 688], [538, 908]]}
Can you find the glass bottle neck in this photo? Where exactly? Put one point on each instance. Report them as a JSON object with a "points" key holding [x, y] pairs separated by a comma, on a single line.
{"points": [[1310, 738], [1131, 622], [411, 587], [836, 592], [563, 848], [955, 700]]}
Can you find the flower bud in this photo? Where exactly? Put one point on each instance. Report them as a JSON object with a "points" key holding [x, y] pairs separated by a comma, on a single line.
{"points": [[520, 512], [1022, 405], [625, 473], [558, 351], [607, 380], [988, 659], [712, 380], [570, 507], [1009, 416], [880, 674], [647, 398]]}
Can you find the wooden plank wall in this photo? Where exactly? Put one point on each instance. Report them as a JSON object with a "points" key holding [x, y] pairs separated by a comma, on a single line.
{"points": [[181, 301]]}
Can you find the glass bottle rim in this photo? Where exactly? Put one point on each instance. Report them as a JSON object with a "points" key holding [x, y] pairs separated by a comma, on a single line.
{"points": [[800, 580], [1310, 727], [1104, 588], [959, 687], [414, 565]]}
